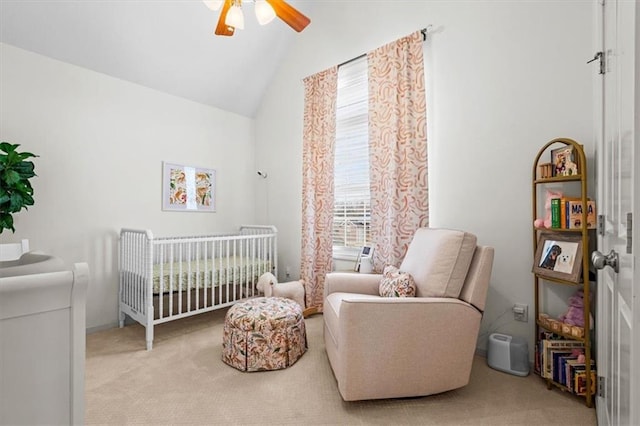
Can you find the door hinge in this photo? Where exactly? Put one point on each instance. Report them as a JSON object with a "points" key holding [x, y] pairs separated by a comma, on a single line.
{"points": [[629, 233], [600, 224], [601, 388], [600, 56]]}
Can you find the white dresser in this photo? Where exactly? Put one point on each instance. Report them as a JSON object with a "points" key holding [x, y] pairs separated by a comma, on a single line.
{"points": [[42, 341]]}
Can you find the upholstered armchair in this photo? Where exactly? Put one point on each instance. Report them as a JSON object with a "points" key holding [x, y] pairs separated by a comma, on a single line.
{"points": [[391, 347]]}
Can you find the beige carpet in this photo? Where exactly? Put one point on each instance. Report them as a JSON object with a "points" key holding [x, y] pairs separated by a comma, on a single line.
{"points": [[183, 381]]}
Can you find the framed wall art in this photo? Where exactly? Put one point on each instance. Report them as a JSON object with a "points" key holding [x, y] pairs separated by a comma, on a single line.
{"points": [[559, 255], [187, 188]]}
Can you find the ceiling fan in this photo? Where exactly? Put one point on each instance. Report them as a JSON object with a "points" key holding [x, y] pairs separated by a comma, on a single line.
{"points": [[231, 17]]}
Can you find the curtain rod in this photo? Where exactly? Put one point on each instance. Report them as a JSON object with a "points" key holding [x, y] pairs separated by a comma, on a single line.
{"points": [[424, 32]]}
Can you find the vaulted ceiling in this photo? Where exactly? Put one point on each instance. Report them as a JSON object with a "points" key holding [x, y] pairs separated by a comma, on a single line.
{"points": [[164, 45]]}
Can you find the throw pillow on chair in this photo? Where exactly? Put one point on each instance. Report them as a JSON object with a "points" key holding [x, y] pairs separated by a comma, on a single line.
{"points": [[395, 283]]}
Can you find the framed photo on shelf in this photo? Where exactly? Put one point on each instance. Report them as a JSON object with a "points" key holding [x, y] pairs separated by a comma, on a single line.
{"points": [[564, 162], [559, 255]]}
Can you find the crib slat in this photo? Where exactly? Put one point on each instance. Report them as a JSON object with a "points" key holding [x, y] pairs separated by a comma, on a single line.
{"points": [[206, 272], [171, 262], [197, 274], [189, 278], [229, 273], [161, 261]]}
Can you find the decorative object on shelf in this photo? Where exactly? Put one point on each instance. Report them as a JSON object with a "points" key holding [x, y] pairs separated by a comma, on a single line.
{"points": [[545, 171], [574, 316], [188, 188], [232, 18], [546, 222], [16, 192], [564, 161], [559, 256]]}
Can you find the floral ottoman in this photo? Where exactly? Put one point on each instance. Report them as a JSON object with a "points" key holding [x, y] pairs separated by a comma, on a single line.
{"points": [[265, 333]]}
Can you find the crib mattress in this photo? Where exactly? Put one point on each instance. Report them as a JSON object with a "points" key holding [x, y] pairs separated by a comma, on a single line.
{"points": [[225, 270]]}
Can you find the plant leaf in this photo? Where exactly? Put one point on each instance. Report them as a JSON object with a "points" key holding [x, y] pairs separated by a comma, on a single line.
{"points": [[25, 168], [11, 177], [8, 147], [24, 155], [17, 201], [6, 222], [28, 200]]}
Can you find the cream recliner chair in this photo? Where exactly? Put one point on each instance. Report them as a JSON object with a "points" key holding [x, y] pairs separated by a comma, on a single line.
{"points": [[391, 347]]}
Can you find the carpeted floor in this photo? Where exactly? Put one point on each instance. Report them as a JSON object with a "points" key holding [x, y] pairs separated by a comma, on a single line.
{"points": [[183, 381]]}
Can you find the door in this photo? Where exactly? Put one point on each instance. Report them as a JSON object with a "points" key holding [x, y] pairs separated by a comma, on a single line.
{"points": [[617, 317]]}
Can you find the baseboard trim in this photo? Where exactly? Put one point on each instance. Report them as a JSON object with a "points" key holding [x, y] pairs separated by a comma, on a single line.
{"points": [[91, 330]]}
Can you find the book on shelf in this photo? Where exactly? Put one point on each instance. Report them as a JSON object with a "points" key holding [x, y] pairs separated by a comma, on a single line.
{"points": [[555, 212], [564, 378], [542, 336], [574, 367], [564, 211], [580, 383], [574, 214], [557, 356], [551, 346]]}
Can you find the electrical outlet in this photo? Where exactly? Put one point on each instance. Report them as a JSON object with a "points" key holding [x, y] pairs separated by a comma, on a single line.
{"points": [[287, 271], [521, 312]]}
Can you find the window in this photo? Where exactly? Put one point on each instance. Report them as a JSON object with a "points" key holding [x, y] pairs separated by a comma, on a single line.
{"points": [[351, 215]]}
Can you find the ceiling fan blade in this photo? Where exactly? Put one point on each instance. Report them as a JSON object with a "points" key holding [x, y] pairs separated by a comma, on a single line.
{"points": [[222, 28], [289, 14]]}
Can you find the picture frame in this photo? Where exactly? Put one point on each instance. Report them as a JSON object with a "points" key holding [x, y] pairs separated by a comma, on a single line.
{"points": [[559, 255], [188, 188], [564, 161]]}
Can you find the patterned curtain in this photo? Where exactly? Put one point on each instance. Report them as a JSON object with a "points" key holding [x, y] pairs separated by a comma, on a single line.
{"points": [[317, 181], [397, 148]]}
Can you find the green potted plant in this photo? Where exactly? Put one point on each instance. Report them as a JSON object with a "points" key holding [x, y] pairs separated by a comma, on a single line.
{"points": [[16, 192]]}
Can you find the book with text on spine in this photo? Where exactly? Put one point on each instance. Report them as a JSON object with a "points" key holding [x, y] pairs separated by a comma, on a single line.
{"points": [[551, 345], [580, 382], [555, 212], [564, 211], [574, 212]]}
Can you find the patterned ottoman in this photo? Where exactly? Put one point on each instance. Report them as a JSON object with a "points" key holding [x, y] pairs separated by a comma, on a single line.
{"points": [[265, 333]]}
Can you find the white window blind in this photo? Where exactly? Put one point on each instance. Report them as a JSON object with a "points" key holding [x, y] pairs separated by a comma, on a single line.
{"points": [[351, 217]]}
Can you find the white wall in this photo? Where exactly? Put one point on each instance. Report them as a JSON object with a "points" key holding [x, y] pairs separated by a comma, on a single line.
{"points": [[503, 79], [101, 142]]}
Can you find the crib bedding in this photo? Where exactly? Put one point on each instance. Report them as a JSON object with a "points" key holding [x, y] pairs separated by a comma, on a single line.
{"points": [[205, 273]]}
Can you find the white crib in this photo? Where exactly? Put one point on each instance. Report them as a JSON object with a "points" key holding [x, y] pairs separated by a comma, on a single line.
{"points": [[164, 279]]}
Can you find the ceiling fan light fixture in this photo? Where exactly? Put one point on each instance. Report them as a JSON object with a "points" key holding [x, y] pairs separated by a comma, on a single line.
{"points": [[213, 4], [264, 12], [235, 17]]}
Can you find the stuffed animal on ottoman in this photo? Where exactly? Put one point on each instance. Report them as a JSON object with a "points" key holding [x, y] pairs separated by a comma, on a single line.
{"points": [[294, 290]]}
